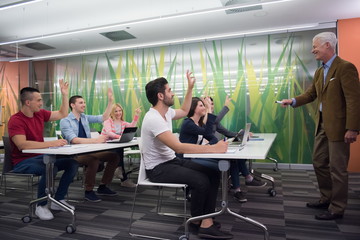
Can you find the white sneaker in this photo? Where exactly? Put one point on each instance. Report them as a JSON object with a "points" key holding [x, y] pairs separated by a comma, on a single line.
{"points": [[56, 207], [128, 183], [43, 213], [118, 173]]}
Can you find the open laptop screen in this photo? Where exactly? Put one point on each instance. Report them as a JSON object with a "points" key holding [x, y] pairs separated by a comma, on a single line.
{"points": [[127, 135]]}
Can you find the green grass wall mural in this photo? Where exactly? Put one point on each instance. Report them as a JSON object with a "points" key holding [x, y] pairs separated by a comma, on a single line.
{"points": [[253, 71]]}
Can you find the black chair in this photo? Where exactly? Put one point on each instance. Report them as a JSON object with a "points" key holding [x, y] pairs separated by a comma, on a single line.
{"points": [[8, 170]]}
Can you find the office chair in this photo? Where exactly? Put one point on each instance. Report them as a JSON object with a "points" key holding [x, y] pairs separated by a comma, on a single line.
{"points": [[144, 181], [8, 169], [130, 153]]}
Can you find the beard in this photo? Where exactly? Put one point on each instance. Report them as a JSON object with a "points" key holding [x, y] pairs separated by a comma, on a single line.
{"points": [[168, 101]]}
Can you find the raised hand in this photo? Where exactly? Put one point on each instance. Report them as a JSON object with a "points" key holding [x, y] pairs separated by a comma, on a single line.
{"points": [[191, 79], [207, 102], [64, 87], [138, 111], [110, 95], [227, 101]]}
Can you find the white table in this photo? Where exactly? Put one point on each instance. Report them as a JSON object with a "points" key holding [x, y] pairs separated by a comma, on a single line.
{"points": [[50, 158], [254, 149]]}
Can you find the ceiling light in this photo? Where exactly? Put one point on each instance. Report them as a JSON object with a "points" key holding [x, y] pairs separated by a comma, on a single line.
{"points": [[146, 20], [179, 41], [17, 4]]}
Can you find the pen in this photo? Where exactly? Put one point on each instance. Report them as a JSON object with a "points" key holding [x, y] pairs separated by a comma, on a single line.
{"points": [[280, 102]]}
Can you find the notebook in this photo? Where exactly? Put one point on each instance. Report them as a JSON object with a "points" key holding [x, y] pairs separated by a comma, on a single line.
{"points": [[127, 135], [237, 146]]}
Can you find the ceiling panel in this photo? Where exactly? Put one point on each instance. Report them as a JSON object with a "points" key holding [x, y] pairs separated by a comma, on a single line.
{"points": [[52, 16]]}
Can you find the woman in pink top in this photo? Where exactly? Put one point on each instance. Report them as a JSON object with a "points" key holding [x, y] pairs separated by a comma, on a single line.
{"points": [[113, 128]]}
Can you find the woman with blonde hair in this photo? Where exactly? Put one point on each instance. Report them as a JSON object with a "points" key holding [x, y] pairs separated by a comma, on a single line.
{"points": [[113, 129]]}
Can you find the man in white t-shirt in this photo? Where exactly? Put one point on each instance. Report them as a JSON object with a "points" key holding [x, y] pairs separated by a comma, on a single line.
{"points": [[159, 145]]}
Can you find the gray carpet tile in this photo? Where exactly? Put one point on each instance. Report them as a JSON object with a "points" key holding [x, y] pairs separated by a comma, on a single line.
{"points": [[284, 215]]}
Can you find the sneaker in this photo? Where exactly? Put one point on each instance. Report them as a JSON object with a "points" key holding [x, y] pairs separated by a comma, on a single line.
{"points": [[104, 190], [255, 183], [91, 196], [128, 183], [213, 232], [118, 173], [240, 197], [56, 207], [43, 213]]}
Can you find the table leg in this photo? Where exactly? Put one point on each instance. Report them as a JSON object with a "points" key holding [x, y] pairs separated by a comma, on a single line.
{"points": [[224, 166], [50, 190]]}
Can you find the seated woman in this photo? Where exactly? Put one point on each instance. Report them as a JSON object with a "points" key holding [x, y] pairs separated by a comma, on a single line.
{"points": [[113, 128], [193, 129]]}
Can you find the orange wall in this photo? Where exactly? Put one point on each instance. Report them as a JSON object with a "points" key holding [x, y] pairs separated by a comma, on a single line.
{"points": [[13, 77], [349, 49]]}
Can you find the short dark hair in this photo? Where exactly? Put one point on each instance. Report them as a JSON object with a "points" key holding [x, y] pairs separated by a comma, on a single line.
{"points": [[73, 100], [194, 103], [26, 94], [154, 87]]}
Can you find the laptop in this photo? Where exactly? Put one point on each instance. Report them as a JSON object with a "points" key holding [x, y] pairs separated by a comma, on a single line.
{"points": [[237, 146], [127, 135]]}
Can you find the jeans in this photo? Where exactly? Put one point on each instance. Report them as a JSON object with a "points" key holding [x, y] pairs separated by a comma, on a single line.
{"points": [[207, 162], [237, 166], [203, 181], [35, 165]]}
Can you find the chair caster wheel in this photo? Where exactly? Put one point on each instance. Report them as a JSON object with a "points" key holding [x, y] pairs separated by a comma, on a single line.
{"points": [[26, 219], [70, 228], [183, 237], [272, 192], [275, 169]]}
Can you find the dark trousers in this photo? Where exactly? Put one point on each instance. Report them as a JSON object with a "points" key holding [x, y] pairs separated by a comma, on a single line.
{"points": [[203, 181], [330, 160]]}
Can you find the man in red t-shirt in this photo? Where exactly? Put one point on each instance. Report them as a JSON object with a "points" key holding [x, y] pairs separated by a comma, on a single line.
{"points": [[26, 132]]}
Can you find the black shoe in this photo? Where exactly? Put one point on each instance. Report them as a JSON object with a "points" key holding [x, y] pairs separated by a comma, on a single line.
{"points": [[103, 190], [213, 232], [197, 226], [328, 216], [318, 205], [217, 224], [240, 197], [91, 196], [255, 183], [194, 228]]}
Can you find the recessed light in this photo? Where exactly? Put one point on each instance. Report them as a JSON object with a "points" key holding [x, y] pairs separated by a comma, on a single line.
{"points": [[261, 14]]}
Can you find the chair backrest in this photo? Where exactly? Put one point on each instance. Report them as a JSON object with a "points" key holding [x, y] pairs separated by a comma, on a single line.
{"points": [[142, 172], [8, 166], [58, 134], [94, 134]]}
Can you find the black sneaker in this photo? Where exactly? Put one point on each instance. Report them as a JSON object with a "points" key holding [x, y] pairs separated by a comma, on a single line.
{"points": [[240, 197], [213, 232], [104, 190], [255, 183], [91, 196]]}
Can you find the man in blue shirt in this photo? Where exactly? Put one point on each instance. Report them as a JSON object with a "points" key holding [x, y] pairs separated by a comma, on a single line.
{"points": [[75, 128]]}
